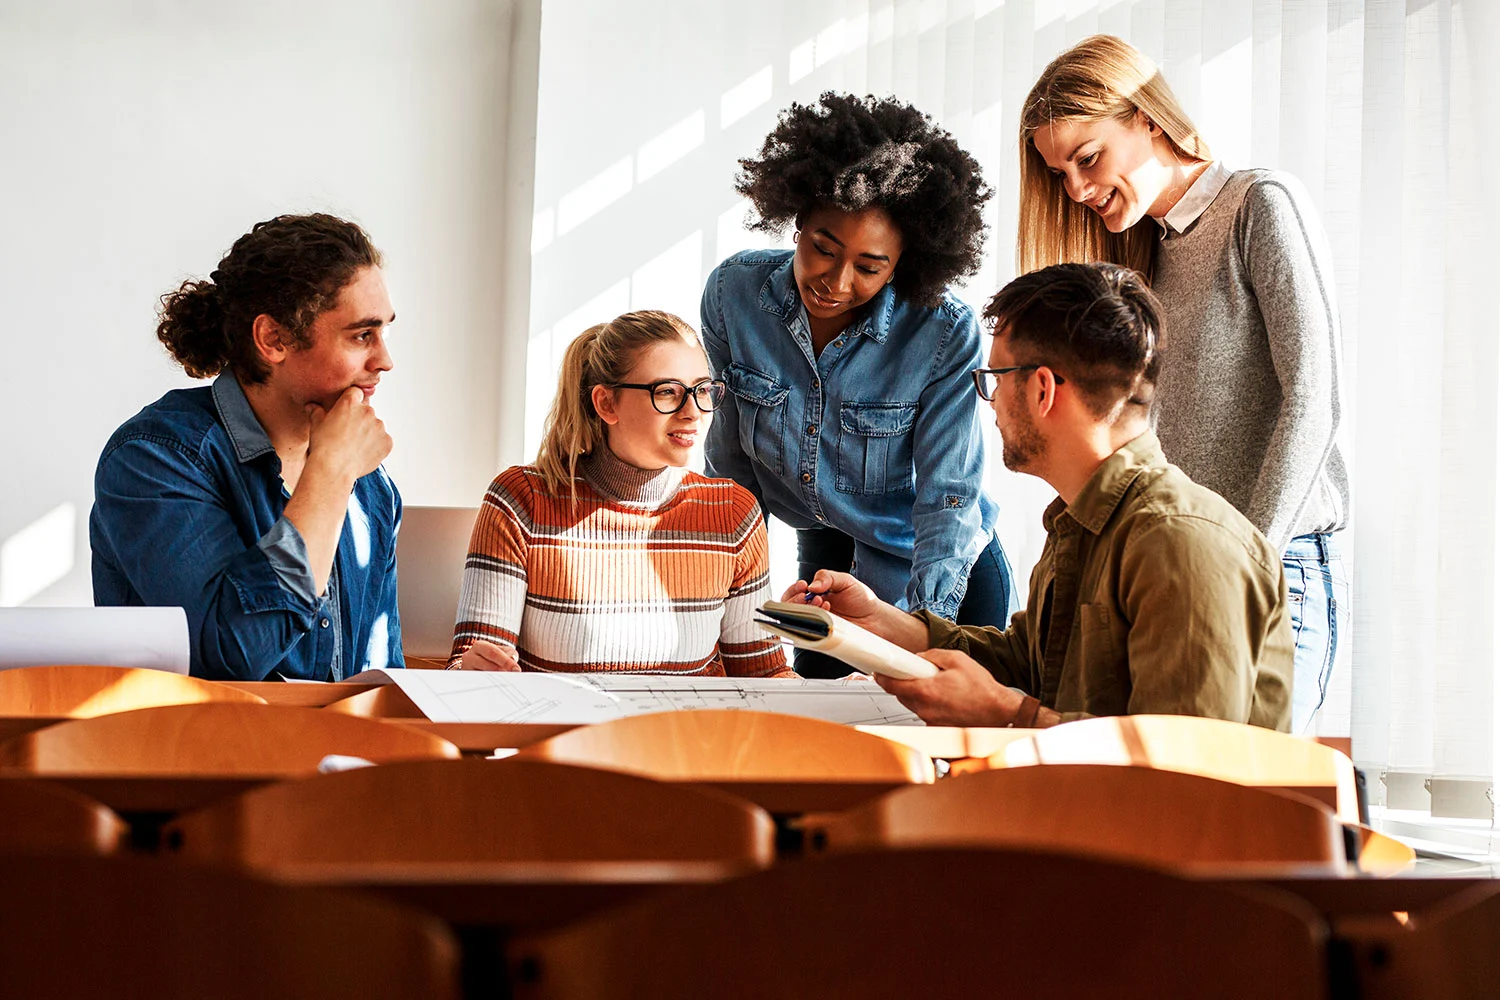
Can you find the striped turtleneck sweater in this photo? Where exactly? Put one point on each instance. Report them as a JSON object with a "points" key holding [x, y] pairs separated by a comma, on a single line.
{"points": [[652, 571]]}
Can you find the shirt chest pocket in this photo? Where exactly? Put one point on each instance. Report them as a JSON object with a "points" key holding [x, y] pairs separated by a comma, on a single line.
{"points": [[875, 447], [761, 402]]}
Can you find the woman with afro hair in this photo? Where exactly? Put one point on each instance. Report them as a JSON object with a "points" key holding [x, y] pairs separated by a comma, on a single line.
{"points": [[851, 413]]}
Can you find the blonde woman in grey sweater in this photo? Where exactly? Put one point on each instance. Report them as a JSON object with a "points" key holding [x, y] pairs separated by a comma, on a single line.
{"points": [[1249, 395]]}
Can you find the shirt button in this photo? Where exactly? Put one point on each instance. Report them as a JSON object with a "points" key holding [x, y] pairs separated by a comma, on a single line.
{"points": [[324, 623], [838, 343], [817, 384], [819, 516], [812, 428], [807, 477]]}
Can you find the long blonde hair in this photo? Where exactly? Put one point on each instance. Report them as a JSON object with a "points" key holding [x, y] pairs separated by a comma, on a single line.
{"points": [[1101, 77], [601, 355]]}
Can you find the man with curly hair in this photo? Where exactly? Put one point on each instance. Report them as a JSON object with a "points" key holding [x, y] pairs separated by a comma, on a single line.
{"points": [[850, 415], [259, 504]]}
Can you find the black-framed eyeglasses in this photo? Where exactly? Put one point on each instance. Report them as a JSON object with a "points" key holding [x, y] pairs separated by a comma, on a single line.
{"points": [[669, 395], [987, 380]]}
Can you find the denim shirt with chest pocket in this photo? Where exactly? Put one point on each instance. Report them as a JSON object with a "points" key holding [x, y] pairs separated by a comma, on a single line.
{"points": [[879, 437]]}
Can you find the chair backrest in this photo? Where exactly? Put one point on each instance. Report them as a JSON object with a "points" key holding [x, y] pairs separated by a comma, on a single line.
{"points": [[82, 692], [1129, 814], [1445, 952], [214, 740], [1214, 748], [938, 923], [709, 745], [477, 810], [430, 554], [145, 928], [38, 817]]}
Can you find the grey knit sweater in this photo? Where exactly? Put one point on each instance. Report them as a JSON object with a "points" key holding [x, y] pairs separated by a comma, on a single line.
{"points": [[1248, 400]]}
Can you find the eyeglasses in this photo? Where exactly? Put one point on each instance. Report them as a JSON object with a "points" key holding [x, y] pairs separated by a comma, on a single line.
{"points": [[669, 395], [987, 380]]}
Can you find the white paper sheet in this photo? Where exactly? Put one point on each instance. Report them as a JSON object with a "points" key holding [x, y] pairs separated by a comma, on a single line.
{"points": [[483, 696], [156, 638]]}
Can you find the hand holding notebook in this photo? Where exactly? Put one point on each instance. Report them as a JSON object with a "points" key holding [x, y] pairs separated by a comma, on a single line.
{"points": [[808, 627]]}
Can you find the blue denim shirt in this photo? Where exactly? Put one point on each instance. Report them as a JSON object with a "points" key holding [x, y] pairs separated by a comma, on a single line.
{"points": [[878, 437], [188, 503]]}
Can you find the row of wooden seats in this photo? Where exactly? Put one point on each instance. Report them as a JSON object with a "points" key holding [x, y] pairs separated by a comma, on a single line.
{"points": [[536, 810], [949, 922]]}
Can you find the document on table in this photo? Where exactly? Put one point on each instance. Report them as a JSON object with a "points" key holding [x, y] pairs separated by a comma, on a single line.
{"points": [[484, 696], [155, 638]]}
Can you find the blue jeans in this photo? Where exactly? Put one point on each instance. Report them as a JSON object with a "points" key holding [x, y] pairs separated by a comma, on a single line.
{"points": [[990, 598], [1318, 596]]}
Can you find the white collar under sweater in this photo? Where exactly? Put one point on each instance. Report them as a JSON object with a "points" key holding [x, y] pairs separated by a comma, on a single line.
{"points": [[1196, 199], [618, 480]]}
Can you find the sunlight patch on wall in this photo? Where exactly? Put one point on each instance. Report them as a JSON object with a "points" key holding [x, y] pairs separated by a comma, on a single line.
{"points": [[543, 225], [731, 233], [744, 97], [38, 555], [802, 60], [672, 280], [1224, 101], [659, 153], [593, 196]]}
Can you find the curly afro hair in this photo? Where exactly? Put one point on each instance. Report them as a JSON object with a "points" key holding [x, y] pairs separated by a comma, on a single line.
{"points": [[854, 153]]}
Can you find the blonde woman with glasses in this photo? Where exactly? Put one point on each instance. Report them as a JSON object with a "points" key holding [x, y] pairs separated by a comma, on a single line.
{"points": [[1248, 403], [607, 554]]}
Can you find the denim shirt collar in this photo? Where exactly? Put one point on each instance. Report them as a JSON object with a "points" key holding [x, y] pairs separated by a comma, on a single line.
{"points": [[779, 296], [250, 439]]}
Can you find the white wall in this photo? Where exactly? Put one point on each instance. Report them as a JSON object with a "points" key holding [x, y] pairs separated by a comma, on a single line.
{"points": [[139, 139]]}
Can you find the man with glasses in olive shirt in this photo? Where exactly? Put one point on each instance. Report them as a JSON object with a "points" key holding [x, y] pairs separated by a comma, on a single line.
{"points": [[1152, 594]]}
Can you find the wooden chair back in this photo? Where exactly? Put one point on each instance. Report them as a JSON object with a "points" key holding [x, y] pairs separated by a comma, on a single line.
{"points": [[38, 817], [1128, 814], [938, 923], [82, 692], [1229, 751], [476, 810], [717, 745], [217, 740], [144, 928], [1445, 952]]}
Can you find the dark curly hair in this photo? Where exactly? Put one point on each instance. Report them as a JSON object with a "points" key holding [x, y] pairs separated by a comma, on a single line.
{"points": [[854, 153], [290, 268]]}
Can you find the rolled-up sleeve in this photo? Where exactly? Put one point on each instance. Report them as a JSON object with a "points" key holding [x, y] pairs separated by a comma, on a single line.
{"points": [[248, 600], [1005, 654]]}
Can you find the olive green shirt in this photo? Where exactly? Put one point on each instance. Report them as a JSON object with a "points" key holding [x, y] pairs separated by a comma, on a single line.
{"points": [[1152, 596]]}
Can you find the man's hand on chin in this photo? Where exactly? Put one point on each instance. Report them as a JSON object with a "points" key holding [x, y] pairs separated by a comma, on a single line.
{"points": [[962, 694]]}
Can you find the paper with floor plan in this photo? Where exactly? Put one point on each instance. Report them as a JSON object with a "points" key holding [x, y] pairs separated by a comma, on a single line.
{"points": [[484, 696]]}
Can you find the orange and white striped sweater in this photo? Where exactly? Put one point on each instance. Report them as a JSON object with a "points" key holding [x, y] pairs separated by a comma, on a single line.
{"points": [[655, 572]]}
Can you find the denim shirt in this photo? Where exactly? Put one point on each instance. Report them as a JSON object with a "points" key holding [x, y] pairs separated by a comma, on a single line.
{"points": [[878, 437], [188, 503]]}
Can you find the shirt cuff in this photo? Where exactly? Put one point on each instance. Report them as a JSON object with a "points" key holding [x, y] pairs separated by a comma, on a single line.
{"points": [[942, 633], [287, 553]]}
